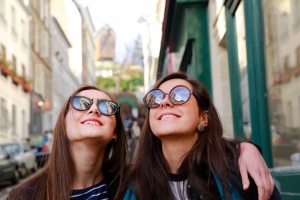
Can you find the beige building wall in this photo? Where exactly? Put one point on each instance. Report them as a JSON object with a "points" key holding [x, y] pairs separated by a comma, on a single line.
{"points": [[88, 61], [69, 18], [14, 42]]}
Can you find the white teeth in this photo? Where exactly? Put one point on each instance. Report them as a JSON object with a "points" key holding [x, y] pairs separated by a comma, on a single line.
{"points": [[168, 116], [91, 122]]}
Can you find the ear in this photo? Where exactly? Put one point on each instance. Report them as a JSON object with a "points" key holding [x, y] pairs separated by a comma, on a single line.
{"points": [[114, 136], [204, 118]]}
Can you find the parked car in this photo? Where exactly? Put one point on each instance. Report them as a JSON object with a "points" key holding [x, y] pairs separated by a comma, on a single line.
{"points": [[23, 154], [42, 145], [8, 168]]}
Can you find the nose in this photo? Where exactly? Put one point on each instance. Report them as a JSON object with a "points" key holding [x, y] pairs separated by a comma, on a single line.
{"points": [[94, 108], [166, 102]]}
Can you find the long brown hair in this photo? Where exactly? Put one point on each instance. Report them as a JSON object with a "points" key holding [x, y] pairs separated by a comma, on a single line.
{"points": [[54, 180], [210, 156]]}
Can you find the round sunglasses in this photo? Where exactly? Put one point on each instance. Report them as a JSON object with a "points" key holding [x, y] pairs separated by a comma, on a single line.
{"points": [[105, 107], [178, 95]]}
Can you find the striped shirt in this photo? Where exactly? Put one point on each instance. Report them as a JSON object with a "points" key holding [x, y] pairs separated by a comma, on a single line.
{"points": [[94, 192], [178, 183]]}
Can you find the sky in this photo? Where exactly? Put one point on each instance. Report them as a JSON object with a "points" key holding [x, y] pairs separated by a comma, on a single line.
{"points": [[122, 16]]}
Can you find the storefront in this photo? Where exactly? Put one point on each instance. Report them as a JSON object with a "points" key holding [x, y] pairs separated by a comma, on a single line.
{"points": [[246, 53]]}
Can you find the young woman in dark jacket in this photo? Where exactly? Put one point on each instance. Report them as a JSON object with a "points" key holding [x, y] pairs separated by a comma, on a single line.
{"points": [[182, 152]]}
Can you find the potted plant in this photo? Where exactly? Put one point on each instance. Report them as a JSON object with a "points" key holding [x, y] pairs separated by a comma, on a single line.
{"points": [[17, 80], [26, 88], [5, 70], [25, 84]]}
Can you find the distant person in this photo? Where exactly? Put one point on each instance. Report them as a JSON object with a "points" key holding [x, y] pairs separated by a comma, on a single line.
{"points": [[88, 154], [128, 126], [135, 138], [141, 120], [182, 152], [136, 130]]}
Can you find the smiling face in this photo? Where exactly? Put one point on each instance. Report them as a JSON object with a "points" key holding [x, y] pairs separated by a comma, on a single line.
{"points": [[169, 120], [90, 124]]}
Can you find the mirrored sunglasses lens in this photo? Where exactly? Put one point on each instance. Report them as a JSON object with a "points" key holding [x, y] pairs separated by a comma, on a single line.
{"points": [[179, 95], [108, 107], [81, 103], [154, 98]]}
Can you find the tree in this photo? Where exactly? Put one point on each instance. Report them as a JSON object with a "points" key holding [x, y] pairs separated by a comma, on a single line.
{"points": [[105, 83]]}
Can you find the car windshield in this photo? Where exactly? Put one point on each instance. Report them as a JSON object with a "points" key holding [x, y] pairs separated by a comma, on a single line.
{"points": [[38, 140], [11, 148]]}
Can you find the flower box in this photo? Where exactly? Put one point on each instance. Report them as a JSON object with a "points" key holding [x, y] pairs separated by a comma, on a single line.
{"points": [[6, 72], [26, 88], [17, 80]]}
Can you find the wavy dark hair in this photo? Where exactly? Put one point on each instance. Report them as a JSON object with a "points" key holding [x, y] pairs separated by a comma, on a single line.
{"points": [[54, 180], [210, 156]]}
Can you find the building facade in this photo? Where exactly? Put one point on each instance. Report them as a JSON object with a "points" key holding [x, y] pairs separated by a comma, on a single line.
{"points": [[68, 16], [88, 62], [40, 67], [15, 74], [61, 73]]}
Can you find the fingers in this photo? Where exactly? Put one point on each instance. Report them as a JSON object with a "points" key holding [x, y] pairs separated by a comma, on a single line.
{"points": [[271, 183], [244, 175], [263, 185], [251, 162], [264, 182]]}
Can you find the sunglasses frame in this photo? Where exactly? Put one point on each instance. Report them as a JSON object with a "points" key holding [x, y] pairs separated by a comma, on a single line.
{"points": [[71, 99], [164, 95]]}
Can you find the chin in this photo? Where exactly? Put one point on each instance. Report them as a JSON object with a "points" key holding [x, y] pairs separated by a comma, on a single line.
{"points": [[164, 134]]}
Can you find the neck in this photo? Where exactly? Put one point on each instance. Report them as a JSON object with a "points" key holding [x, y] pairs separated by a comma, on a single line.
{"points": [[175, 150], [88, 161]]}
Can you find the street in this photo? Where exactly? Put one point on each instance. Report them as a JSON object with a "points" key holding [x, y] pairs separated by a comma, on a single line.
{"points": [[6, 187]]}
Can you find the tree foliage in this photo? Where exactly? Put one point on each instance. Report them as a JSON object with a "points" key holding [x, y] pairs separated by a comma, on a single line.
{"points": [[105, 83]]}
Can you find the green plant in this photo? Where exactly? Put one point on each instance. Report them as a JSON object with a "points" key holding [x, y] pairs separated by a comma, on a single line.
{"points": [[24, 79], [105, 83], [5, 64]]}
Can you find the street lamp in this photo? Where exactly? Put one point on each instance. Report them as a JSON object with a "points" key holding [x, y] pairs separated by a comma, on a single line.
{"points": [[40, 103]]}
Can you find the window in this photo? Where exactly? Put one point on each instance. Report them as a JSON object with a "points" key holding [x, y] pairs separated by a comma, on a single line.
{"points": [[47, 42], [284, 25], [2, 10], [298, 56], [3, 53], [299, 110], [4, 115], [14, 64], [32, 33], [23, 33], [41, 9], [24, 128], [289, 116], [14, 120], [286, 64], [36, 37], [43, 44], [46, 14], [13, 21], [296, 13]]}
